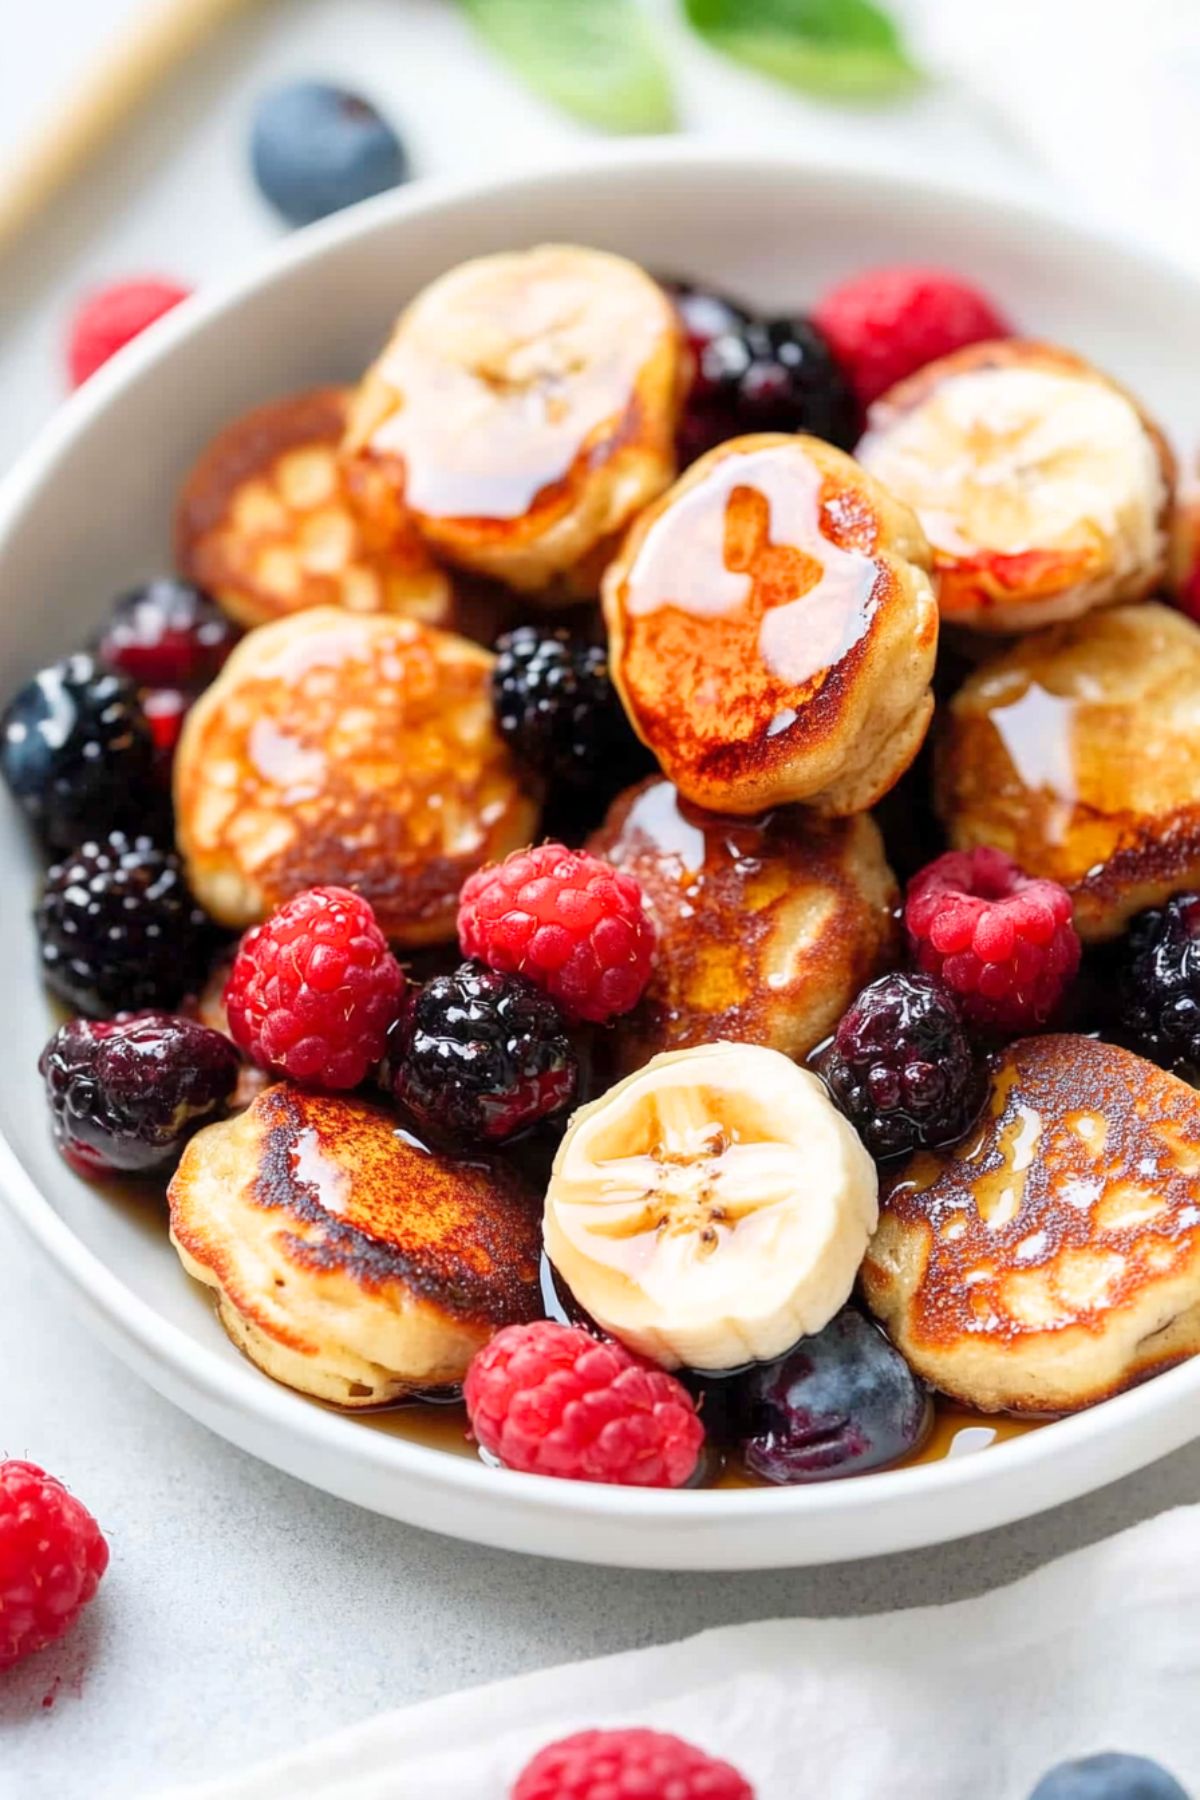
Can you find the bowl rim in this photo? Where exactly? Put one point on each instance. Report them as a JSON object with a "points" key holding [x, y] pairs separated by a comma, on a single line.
{"points": [[229, 1384]]}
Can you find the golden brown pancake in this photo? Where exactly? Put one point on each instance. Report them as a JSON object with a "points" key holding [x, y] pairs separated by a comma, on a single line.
{"points": [[350, 1262], [1052, 1258], [1077, 752], [1041, 484], [525, 409], [767, 927], [269, 524], [353, 750], [772, 629]]}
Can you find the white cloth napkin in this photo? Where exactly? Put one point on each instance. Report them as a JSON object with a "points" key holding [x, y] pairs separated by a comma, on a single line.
{"points": [[971, 1701]]}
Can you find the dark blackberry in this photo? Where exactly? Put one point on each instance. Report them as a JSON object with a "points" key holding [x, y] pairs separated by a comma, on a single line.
{"points": [[767, 375], [127, 1096], [118, 928], [557, 708], [167, 634], [901, 1067], [704, 314], [78, 755], [1158, 982], [480, 1056]]}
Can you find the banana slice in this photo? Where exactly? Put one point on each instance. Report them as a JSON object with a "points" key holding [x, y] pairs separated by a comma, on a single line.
{"points": [[525, 409], [1042, 486], [711, 1209]]}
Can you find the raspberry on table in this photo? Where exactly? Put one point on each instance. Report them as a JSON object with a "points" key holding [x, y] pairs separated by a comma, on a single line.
{"points": [[1003, 942], [901, 1066], [633, 1764], [315, 990], [550, 1399], [118, 928], [1158, 981], [557, 708], [111, 317], [887, 323], [767, 375], [481, 1056], [167, 634], [568, 922], [52, 1557]]}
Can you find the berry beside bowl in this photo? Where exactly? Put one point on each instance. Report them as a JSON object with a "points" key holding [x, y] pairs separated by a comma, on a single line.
{"points": [[407, 1095]]}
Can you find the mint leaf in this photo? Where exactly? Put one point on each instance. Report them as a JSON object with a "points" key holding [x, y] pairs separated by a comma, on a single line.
{"points": [[598, 59], [849, 49]]}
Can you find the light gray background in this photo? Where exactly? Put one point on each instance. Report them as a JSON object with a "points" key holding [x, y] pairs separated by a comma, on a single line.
{"points": [[244, 1613]]}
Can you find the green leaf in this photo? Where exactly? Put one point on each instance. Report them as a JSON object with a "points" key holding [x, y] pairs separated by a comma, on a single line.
{"points": [[598, 59], [847, 49]]}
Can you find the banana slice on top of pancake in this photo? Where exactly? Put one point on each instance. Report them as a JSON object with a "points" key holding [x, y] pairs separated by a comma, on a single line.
{"points": [[767, 926], [1052, 1258], [1042, 486], [349, 1262], [352, 749], [269, 523], [524, 409], [772, 629]]}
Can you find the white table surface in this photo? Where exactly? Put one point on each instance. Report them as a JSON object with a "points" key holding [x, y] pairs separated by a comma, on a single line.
{"points": [[244, 1613]]}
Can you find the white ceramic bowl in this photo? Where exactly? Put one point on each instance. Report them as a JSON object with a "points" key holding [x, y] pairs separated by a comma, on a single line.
{"points": [[87, 513]]}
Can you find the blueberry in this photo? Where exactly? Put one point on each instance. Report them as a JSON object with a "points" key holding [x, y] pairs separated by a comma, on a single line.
{"points": [[316, 148], [1111, 1776], [840, 1403]]}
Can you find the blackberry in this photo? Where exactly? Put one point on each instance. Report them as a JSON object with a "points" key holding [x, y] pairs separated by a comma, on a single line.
{"points": [[704, 314], [118, 928], [167, 634], [1158, 983], [480, 1056], [767, 375], [557, 708], [77, 753], [901, 1067], [127, 1096]]}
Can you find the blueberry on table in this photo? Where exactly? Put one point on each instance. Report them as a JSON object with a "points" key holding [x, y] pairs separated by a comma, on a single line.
{"points": [[316, 148], [839, 1403], [1110, 1776]]}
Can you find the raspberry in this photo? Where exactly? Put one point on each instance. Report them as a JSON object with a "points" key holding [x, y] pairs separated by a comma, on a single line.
{"points": [[551, 1399], [111, 317], [166, 709], [565, 920], [314, 991], [1159, 982], [628, 1765], [557, 708], [1001, 941], [52, 1556], [901, 1069], [887, 323]]}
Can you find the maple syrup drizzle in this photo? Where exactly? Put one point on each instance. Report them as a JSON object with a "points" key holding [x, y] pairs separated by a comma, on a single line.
{"points": [[1036, 731]]}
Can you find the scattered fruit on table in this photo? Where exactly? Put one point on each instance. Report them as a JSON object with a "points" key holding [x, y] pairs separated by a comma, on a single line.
{"points": [[550, 1399], [316, 148], [127, 1095], [314, 990], [167, 634], [1112, 1775], [52, 1558], [634, 1764], [1159, 982], [886, 324], [842, 1402], [571, 924], [118, 929], [558, 711], [111, 317]]}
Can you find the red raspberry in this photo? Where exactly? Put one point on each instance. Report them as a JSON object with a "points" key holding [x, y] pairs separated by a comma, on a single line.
{"points": [[314, 991], [52, 1555], [568, 922], [1003, 942], [111, 317], [888, 323], [551, 1399], [165, 710], [628, 1765]]}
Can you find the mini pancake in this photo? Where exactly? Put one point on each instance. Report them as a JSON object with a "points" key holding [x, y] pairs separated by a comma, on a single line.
{"points": [[1042, 486], [1053, 1258], [357, 750], [524, 409], [767, 927], [772, 629], [269, 523], [1077, 752], [349, 1262]]}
